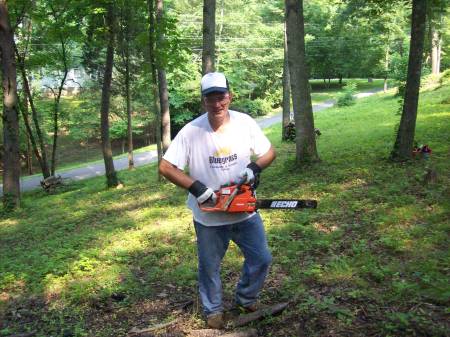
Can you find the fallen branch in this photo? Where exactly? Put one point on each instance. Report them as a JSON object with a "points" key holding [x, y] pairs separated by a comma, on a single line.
{"points": [[259, 314], [26, 334], [220, 333], [244, 333], [136, 331], [205, 333]]}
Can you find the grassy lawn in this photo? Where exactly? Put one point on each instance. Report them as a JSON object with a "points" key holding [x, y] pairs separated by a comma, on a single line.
{"points": [[371, 260], [91, 154]]}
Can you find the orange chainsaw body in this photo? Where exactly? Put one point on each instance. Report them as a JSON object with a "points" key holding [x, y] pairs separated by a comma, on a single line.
{"points": [[242, 200]]}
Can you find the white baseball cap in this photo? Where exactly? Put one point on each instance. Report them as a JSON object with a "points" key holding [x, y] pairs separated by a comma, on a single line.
{"points": [[214, 82]]}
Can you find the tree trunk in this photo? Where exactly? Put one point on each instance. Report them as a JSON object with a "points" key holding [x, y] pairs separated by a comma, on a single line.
{"points": [[58, 95], [222, 8], [405, 135], [111, 176], [435, 52], [128, 99], [29, 155], [155, 93], [55, 122], [209, 31], [30, 136], [41, 153], [306, 150], [386, 68], [162, 81], [10, 118], [286, 91]]}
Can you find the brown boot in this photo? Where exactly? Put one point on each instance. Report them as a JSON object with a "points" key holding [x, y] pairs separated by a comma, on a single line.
{"points": [[215, 321], [249, 308]]}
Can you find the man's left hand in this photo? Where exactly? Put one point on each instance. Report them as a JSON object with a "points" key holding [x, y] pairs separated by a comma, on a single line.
{"points": [[251, 174]]}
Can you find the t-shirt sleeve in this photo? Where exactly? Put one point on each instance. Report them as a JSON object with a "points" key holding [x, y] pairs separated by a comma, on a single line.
{"points": [[260, 143], [178, 151]]}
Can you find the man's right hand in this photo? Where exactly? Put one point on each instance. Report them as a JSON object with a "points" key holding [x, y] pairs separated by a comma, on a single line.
{"points": [[202, 193]]}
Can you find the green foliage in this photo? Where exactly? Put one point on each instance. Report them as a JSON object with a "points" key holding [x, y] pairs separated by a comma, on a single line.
{"points": [[346, 98], [399, 68], [369, 258], [255, 108]]}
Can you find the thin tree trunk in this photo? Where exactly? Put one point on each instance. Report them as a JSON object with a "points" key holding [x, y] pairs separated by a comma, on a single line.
{"points": [[128, 99], [125, 39], [155, 93], [41, 154], [286, 90], [209, 31], [163, 89], [29, 131], [29, 146], [435, 52], [405, 136], [386, 68], [165, 113], [306, 150], [58, 96], [55, 120], [10, 117], [111, 176], [222, 5]]}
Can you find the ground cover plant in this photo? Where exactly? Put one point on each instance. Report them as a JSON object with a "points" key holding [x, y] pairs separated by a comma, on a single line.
{"points": [[372, 260]]}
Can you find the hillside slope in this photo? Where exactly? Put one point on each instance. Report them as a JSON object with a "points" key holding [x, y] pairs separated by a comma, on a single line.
{"points": [[372, 260]]}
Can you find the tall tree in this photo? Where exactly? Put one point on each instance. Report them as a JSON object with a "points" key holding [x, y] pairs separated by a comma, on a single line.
{"points": [[111, 176], [39, 151], [124, 41], [154, 79], [10, 118], [435, 13], [38, 145], [306, 150], [209, 38], [405, 135], [59, 15], [286, 91], [162, 80]]}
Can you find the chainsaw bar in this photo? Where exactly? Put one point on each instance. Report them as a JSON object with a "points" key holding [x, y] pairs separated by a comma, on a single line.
{"points": [[285, 204]]}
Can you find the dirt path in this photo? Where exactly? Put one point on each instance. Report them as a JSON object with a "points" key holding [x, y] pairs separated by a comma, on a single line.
{"points": [[144, 158]]}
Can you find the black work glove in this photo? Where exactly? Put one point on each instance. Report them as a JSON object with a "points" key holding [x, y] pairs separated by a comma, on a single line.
{"points": [[202, 193], [251, 173]]}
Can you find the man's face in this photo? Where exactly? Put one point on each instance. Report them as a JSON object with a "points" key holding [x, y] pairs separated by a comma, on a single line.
{"points": [[217, 103]]}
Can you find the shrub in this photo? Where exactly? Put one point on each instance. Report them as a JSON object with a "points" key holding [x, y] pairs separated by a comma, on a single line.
{"points": [[445, 78], [255, 108], [346, 98]]}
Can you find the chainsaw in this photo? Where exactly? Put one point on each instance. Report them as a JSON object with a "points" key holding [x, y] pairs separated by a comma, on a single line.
{"points": [[242, 198]]}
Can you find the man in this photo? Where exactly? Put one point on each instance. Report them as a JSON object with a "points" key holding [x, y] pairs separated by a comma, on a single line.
{"points": [[217, 148]]}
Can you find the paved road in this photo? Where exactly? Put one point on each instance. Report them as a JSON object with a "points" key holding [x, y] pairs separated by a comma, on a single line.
{"points": [[98, 169]]}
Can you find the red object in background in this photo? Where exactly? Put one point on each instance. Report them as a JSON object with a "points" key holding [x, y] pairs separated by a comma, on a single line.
{"points": [[425, 149]]}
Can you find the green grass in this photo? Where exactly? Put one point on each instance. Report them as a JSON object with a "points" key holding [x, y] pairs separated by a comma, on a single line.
{"points": [[88, 154], [371, 260]]}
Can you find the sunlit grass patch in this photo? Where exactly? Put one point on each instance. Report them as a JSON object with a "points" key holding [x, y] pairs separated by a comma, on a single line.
{"points": [[377, 244]]}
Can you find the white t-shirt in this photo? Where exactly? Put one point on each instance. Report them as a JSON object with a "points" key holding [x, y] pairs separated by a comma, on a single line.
{"points": [[217, 158]]}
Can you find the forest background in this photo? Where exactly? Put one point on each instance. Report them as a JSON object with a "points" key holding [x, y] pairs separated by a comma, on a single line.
{"points": [[343, 40], [85, 260]]}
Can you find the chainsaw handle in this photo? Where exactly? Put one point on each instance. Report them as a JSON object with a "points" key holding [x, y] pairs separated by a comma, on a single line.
{"points": [[235, 192], [242, 181]]}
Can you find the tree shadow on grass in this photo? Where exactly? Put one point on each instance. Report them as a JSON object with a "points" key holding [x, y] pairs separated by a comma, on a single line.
{"points": [[350, 267], [71, 251]]}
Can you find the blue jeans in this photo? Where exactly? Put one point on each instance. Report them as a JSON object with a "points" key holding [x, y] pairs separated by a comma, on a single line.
{"points": [[212, 243]]}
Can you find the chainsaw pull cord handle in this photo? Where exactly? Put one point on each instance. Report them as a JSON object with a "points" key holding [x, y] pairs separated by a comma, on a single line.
{"points": [[235, 192]]}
